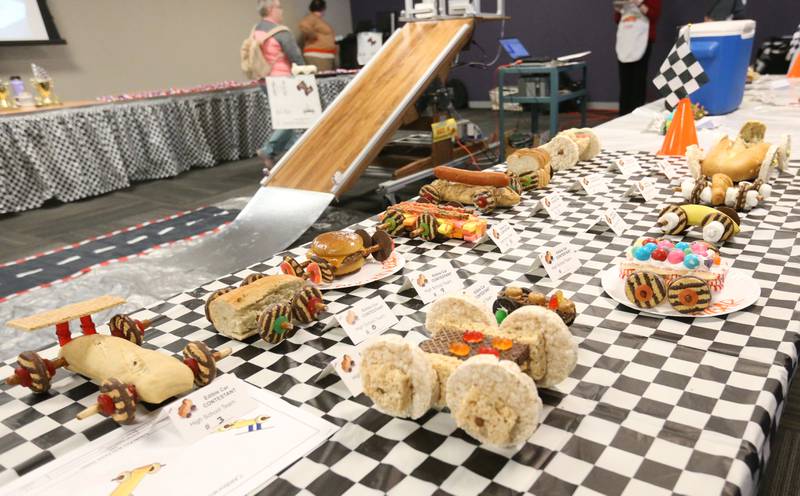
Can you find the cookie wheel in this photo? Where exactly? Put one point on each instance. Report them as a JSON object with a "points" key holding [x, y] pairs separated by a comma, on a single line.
{"points": [[689, 294], [122, 326], [392, 223], [291, 267], [203, 361], [502, 307], [500, 416], [645, 289], [514, 182], [426, 227], [429, 194], [252, 278], [116, 400], [719, 226], [320, 271], [34, 372], [564, 153], [307, 304], [213, 296], [275, 322], [385, 245], [484, 200], [673, 220], [366, 239]]}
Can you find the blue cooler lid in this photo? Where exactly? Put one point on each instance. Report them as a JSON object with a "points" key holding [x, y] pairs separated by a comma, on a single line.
{"points": [[746, 29]]}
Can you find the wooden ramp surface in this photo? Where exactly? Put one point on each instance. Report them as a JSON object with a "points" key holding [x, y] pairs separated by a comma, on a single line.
{"points": [[379, 96]]}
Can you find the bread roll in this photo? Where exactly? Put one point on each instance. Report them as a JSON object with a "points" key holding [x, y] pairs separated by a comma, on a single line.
{"points": [[235, 314]]}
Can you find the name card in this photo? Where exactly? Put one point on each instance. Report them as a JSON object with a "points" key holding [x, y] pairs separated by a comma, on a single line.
{"points": [[504, 236], [627, 166], [482, 292], [558, 262], [366, 318], [593, 184], [553, 204], [646, 188], [613, 220], [209, 408], [348, 366], [434, 283], [668, 169]]}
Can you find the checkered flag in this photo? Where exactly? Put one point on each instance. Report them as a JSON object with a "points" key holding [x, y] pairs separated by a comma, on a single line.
{"points": [[681, 74], [794, 45]]}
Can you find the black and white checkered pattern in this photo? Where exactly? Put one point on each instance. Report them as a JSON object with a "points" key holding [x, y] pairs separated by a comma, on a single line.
{"points": [[655, 406], [680, 74], [76, 153]]}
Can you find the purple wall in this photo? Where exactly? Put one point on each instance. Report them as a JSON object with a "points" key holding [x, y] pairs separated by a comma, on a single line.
{"points": [[553, 28]]}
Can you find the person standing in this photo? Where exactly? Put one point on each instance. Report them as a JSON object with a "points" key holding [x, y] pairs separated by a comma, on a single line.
{"points": [[632, 65], [319, 39], [281, 51], [725, 10]]}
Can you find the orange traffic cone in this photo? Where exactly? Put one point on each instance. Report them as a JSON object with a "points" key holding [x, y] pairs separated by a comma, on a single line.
{"points": [[794, 69], [681, 133]]}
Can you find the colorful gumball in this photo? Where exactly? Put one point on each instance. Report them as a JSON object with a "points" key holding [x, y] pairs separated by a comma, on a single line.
{"points": [[659, 254], [676, 256], [651, 247], [682, 245], [641, 253], [691, 261], [666, 244]]}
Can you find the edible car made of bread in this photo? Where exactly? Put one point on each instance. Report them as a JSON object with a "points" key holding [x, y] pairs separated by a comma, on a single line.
{"points": [[431, 221], [486, 375], [484, 190], [126, 372]]}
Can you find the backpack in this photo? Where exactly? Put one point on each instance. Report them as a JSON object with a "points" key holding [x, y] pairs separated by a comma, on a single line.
{"points": [[253, 63]]}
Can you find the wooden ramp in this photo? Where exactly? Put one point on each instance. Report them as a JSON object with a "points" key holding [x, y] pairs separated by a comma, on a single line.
{"points": [[354, 128]]}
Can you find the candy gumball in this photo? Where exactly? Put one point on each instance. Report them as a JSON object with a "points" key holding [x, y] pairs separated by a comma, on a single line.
{"points": [[675, 256], [641, 253], [691, 261], [646, 241], [682, 246], [650, 247], [659, 254], [665, 244]]}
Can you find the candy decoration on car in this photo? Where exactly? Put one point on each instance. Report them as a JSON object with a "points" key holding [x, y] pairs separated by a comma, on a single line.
{"points": [[275, 322]]}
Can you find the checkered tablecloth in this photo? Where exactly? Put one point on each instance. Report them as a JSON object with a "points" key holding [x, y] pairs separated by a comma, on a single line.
{"points": [[654, 406], [80, 152]]}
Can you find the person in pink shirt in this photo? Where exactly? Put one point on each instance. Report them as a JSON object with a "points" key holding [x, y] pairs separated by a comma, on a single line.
{"points": [[281, 51]]}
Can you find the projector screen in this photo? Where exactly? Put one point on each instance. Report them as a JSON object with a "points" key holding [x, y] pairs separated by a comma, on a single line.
{"points": [[26, 21]]}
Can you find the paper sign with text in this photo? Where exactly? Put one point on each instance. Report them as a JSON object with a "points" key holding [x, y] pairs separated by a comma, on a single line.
{"points": [[504, 236], [436, 282], [668, 169], [593, 184], [482, 292], [627, 166], [366, 318], [646, 188], [558, 262], [348, 366], [204, 411], [613, 220], [553, 204], [293, 102]]}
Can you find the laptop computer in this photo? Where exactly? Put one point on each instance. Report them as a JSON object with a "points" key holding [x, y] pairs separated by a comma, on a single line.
{"points": [[514, 48]]}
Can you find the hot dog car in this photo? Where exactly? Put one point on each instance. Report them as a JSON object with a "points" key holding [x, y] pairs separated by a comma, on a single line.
{"points": [[483, 189]]}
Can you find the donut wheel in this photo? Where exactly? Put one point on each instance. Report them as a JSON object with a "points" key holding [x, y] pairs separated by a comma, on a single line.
{"points": [[116, 400], [719, 226], [484, 201], [318, 271], [307, 304], [275, 323], [392, 223], [689, 295], [127, 328], [291, 267], [514, 182], [429, 194], [202, 360], [426, 227], [34, 372], [503, 307], [213, 296], [645, 289], [252, 278], [682, 220]]}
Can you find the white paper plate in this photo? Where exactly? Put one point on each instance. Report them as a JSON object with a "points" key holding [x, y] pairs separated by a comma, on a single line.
{"points": [[740, 291], [371, 271]]}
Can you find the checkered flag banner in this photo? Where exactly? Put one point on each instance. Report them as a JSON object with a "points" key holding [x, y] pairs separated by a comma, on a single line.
{"points": [[681, 74], [794, 45]]}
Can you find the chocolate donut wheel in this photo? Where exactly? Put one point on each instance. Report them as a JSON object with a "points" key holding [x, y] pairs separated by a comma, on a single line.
{"points": [[122, 326], [645, 289], [429, 194], [427, 226], [37, 370], [206, 369], [320, 270], [275, 322], [385, 244], [123, 399], [307, 304], [689, 294], [291, 267], [683, 219], [484, 201], [252, 278], [392, 223], [514, 182], [212, 297]]}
